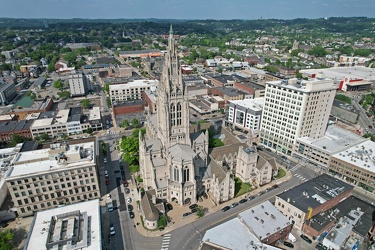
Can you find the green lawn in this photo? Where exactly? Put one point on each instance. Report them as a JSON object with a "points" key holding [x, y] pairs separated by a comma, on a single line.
{"points": [[241, 188], [281, 173]]}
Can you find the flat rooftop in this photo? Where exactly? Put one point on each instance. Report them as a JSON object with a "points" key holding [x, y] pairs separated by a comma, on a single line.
{"points": [[335, 140], [94, 113], [361, 155], [234, 235], [339, 73], [255, 104], [315, 192], [264, 219], [69, 227], [133, 84], [43, 160], [305, 86]]}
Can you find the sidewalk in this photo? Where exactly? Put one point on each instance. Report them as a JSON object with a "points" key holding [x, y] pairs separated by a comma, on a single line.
{"points": [[175, 215]]}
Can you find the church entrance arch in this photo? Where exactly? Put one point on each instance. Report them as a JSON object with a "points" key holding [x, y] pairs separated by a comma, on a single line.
{"points": [[174, 199], [187, 201]]}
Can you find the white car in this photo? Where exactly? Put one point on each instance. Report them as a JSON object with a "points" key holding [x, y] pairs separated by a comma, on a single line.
{"points": [[112, 229], [129, 200], [105, 160]]}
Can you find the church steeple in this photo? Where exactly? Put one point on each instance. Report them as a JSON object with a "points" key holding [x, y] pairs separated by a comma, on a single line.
{"points": [[173, 106]]}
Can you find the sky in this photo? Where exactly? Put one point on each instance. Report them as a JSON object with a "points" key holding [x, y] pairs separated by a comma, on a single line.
{"points": [[186, 9]]}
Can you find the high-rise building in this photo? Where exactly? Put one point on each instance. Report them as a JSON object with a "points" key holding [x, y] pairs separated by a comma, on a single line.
{"points": [[293, 109], [80, 84]]}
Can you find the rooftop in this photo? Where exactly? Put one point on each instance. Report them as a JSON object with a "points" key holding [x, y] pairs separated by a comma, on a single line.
{"points": [[299, 85], [264, 219], [361, 155], [70, 227], [94, 113], [234, 235], [339, 73], [255, 104], [315, 192], [132, 84], [57, 157], [335, 139]]}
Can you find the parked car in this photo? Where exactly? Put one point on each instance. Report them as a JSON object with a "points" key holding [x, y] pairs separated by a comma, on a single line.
{"points": [[186, 214], [252, 197], [129, 200], [131, 214], [194, 210], [226, 208], [193, 206], [127, 190], [243, 201], [105, 160], [125, 183], [130, 208], [261, 193], [260, 148], [234, 204], [284, 158], [275, 186], [305, 238], [369, 126], [122, 171], [106, 174], [288, 244], [112, 229], [106, 181]]}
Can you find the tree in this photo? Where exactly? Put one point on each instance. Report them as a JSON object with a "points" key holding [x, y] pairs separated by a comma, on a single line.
{"points": [[318, 51], [64, 137], [125, 124], [16, 138], [136, 131], [136, 123], [64, 94], [89, 131], [86, 103], [70, 57], [200, 211], [6, 238], [162, 221], [106, 87], [109, 103], [130, 147], [44, 137]]}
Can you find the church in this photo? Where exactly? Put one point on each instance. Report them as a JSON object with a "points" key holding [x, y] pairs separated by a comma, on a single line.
{"points": [[176, 165]]}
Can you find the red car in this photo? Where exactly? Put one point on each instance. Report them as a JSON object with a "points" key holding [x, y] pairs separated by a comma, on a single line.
{"points": [[125, 183], [106, 181]]}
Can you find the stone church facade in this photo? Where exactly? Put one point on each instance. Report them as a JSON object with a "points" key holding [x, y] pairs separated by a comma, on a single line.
{"points": [[176, 165]]}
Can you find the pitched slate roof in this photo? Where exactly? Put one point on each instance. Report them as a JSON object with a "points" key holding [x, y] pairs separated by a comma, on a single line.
{"points": [[150, 212]]}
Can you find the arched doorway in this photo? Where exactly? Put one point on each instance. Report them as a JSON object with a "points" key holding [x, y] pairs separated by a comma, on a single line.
{"points": [[187, 201]]}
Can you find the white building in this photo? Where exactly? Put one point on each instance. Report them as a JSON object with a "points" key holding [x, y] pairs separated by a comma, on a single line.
{"points": [[73, 124], [80, 83], [293, 109], [46, 178], [131, 90], [245, 114], [70, 227], [52, 123]]}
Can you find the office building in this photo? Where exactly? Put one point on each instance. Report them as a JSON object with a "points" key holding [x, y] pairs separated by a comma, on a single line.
{"points": [[131, 90], [46, 178], [80, 84], [293, 109]]}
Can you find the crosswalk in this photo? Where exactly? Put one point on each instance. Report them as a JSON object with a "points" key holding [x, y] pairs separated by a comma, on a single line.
{"points": [[166, 241], [296, 167], [301, 177]]}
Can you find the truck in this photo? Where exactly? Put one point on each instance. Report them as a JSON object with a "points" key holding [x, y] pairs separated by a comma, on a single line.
{"points": [[110, 205]]}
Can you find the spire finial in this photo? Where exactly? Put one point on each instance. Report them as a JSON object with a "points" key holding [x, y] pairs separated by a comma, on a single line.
{"points": [[171, 30]]}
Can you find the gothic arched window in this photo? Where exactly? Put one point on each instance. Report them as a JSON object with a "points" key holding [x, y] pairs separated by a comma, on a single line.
{"points": [[186, 174], [173, 114], [179, 114], [176, 174]]}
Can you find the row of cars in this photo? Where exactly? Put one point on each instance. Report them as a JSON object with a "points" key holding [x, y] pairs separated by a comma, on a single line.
{"points": [[252, 197], [193, 209]]}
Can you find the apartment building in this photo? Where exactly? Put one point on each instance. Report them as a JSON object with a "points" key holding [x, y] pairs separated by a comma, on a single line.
{"points": [[245, 114], [80, 83], [293, 109], [46, 178], [132, 90], [95, 119]]}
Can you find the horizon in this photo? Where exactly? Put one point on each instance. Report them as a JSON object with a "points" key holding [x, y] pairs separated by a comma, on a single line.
{"points": [[192, 10]]}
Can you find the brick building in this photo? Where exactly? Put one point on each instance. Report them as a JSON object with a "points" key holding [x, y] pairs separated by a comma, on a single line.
{"points": [[315, 196], [135, 106], [253, 88], [9, 128]]}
